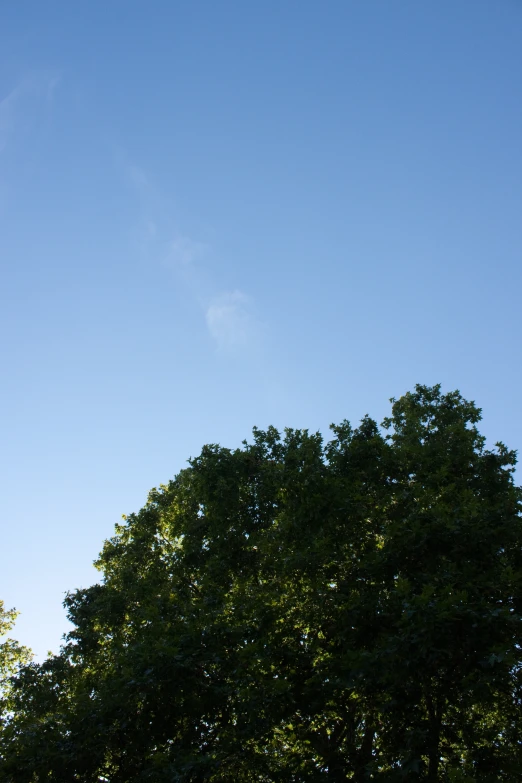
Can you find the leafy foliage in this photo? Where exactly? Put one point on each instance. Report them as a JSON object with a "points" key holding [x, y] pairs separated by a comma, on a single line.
{"points": [[12, 656], [298, 611]]}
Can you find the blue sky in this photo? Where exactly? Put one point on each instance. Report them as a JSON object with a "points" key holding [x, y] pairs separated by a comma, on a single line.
{"points": [[215, 215]]}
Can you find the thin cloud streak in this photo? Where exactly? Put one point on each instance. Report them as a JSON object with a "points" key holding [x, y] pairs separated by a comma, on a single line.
{"points": [[41, 85], [7, 107], [183, 251], [229, 320], [228, 315]]}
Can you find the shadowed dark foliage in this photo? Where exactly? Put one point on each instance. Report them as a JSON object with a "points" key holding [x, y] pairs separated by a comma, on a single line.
{"points": [[298, 611]]}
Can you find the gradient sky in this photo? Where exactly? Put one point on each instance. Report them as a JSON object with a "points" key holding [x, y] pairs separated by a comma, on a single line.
{"points": [[218, 214]]}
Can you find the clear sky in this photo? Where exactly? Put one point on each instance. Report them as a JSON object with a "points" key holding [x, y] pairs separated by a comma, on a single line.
{"points": [[220, 214]]}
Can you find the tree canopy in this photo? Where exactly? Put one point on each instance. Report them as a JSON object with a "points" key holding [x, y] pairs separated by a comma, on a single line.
{"points": [[295, 610]]}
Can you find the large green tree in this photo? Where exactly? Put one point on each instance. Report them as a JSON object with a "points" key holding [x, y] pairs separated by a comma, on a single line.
{"points": [[298, 611]]}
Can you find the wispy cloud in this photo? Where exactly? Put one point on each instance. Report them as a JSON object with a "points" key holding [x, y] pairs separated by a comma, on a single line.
{"points": [[138, 178], [38, 86], [183, 251], [228, 314], [229, 320], [52, 84], [7, 112], [20, 109]]}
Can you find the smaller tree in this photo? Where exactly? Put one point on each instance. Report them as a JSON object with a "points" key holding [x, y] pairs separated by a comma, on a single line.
{"points": [[12, 656]]}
